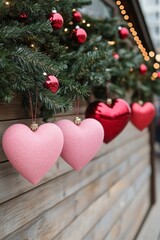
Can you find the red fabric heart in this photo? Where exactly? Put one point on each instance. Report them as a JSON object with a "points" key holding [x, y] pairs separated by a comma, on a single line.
{"points": [[142, 115], [113, 117]]}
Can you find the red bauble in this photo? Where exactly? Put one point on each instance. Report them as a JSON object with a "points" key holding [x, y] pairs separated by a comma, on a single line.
{"points": [[123, 32], [143, 68], [52, 83], [77, 16], [79, 35], [113, 117], [142, 114], [56, 20], [116, 56], [158, 74], [23, 16]]}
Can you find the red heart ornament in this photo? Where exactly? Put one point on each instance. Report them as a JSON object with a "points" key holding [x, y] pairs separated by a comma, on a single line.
{"points": [[32, 154], [113, 117], [142, 114], [81, 142]]}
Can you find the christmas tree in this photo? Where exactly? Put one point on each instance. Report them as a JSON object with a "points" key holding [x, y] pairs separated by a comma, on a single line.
{"points": [[35, 40]]}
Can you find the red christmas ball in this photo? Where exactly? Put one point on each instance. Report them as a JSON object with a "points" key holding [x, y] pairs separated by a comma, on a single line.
{"points": [[23, 16], [56, 20], [116, 56], [143, 68], [52, 83], [79, 35], [123, 32], [77, 16], [158, 74]]}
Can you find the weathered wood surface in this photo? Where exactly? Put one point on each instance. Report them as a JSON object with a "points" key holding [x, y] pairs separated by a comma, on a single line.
{"points": [[98, 203]]}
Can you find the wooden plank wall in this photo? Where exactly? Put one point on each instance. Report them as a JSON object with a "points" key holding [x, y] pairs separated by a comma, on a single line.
{"points": [[107, 200]]}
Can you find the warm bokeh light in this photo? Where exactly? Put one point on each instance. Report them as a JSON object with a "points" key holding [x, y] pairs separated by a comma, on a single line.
{"points": [[118, 3], [121, 7], [130, 24], [156, 65], [158, 57], [123, 12], [151, 54], [111, 42], [126, 17]]}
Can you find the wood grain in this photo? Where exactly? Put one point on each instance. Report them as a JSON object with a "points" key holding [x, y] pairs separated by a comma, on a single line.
{"points": [[101, 228], [137, 208]]}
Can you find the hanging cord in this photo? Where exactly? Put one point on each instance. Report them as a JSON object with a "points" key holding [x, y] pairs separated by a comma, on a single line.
{"points": [[77, 120], [34, 125], [108, 100], [140, 101], [77, 107]]}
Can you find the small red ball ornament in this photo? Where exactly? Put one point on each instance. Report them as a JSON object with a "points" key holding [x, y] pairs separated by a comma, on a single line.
{"points": [[23, 16], [79, 35], [77, 16], [143, 68], [158, 74], [56, 20], [123, 32], [52, 83], [116, 56]]}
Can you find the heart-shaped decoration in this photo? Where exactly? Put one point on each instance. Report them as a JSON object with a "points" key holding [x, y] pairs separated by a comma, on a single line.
{"points": [[113, 117], [81, 142], [142, 114], [32, 154]]}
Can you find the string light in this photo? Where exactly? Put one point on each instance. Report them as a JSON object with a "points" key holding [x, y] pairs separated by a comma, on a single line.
{"points": [[7, 3], [154, 75], [151, 54], [32, 45], [126, 17], [132, 29], [156, 65], [88, 24], [71, 23], [111, 42], [83, 21], [130, 24], [123, 12], [157, 57], [135, 34], [121, 7], [118, 3], [65, 29]]}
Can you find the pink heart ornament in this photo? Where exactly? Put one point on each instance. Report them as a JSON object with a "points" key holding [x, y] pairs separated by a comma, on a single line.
{"points": [[32, 154], [81, 142]]}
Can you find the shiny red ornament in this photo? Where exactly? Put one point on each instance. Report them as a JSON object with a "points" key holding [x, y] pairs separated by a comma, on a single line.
{"points": [[77, 16], [79, 35], [113, 117], [52, 83], [142, 114], [123, 32], [116, 56], [158, 74], [23, 16], [56, 20], [143, 68]]}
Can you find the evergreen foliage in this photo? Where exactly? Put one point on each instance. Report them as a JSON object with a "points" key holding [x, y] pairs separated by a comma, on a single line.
{"points": [[29, 47]]}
